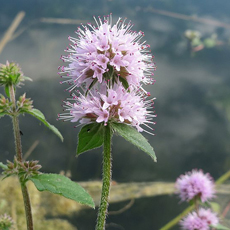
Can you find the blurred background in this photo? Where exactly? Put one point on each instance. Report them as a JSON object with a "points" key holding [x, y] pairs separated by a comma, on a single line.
{"points": [[191, 44]]}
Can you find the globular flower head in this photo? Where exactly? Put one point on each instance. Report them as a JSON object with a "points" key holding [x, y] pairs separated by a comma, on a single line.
{"points": [[112, 105], [108, 52], [195, 184], [5, 221], [201, 220], [24, 169], [11, 74]]}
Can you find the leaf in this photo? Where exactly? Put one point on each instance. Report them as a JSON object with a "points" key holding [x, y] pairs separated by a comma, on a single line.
{"points": [[2, 114], [124, 82], [90, 137], [91, 85], [133, 136], [7, 90], [215, 206], [27, 78], [3, 166], [61, 185], [219, 227], [39, 115]]}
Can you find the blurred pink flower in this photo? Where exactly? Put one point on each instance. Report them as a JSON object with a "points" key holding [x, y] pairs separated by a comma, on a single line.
{"points": [[199, 221], [107, 52], [195, 184]]}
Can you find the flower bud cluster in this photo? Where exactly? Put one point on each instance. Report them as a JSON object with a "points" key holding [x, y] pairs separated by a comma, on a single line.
{"points": [[24, 104], [5, 105], [6, 221], [110, 65], [197, 187], [24, 169], [10, 74]]}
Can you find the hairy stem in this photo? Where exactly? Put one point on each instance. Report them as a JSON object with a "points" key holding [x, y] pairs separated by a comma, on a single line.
{"points": [[107, 164], [18, 149]]}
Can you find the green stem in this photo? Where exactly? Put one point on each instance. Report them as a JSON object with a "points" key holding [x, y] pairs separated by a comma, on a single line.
{"points": [[174, 221], [18, 149], [107, 173]]}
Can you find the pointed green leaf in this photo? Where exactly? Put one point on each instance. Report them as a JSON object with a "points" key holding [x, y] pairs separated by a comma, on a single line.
{"points": [[124, 82], [27, 78], [133, 136], [2, 114], [61, 185], [90, 137], [91, 85], [220, 227], [39, 115], [7, 90], [215, 206], [3, 166]]}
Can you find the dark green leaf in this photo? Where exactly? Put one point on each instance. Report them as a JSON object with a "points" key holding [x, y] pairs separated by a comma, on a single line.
{"points": [[61, 185], [39, 115], [90, 137], [7, 90], [124, 82], [133, 136], [219, 227], [91, 85]]}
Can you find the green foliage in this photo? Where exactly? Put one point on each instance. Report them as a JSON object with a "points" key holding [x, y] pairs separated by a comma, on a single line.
{"points": [[40, 116], [11, 74], [7, 91], [215, 207], [5, 106], [220, 227], [2, 114], [124, 82], [3, 166], [90, 137], [61, 185], [133, 136]]}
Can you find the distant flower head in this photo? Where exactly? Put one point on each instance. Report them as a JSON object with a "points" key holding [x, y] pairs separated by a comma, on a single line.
{"points": [[199, 221], [11, 74], [195, 184], [5, 221], [115, 105], [108, 52]]}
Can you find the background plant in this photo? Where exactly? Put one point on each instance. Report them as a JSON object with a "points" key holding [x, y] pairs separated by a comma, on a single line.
{"points": [[12, 77]]}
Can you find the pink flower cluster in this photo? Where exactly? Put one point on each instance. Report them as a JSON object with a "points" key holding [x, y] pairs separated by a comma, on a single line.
{"points": [[109, 64], [104, 51], [195, 184], [201, 220], [116, 105]]}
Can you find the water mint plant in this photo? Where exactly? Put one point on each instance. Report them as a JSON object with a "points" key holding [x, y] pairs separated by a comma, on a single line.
{"points": [[12, 77], [107, 68], [198, 189], [202, 219]]}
